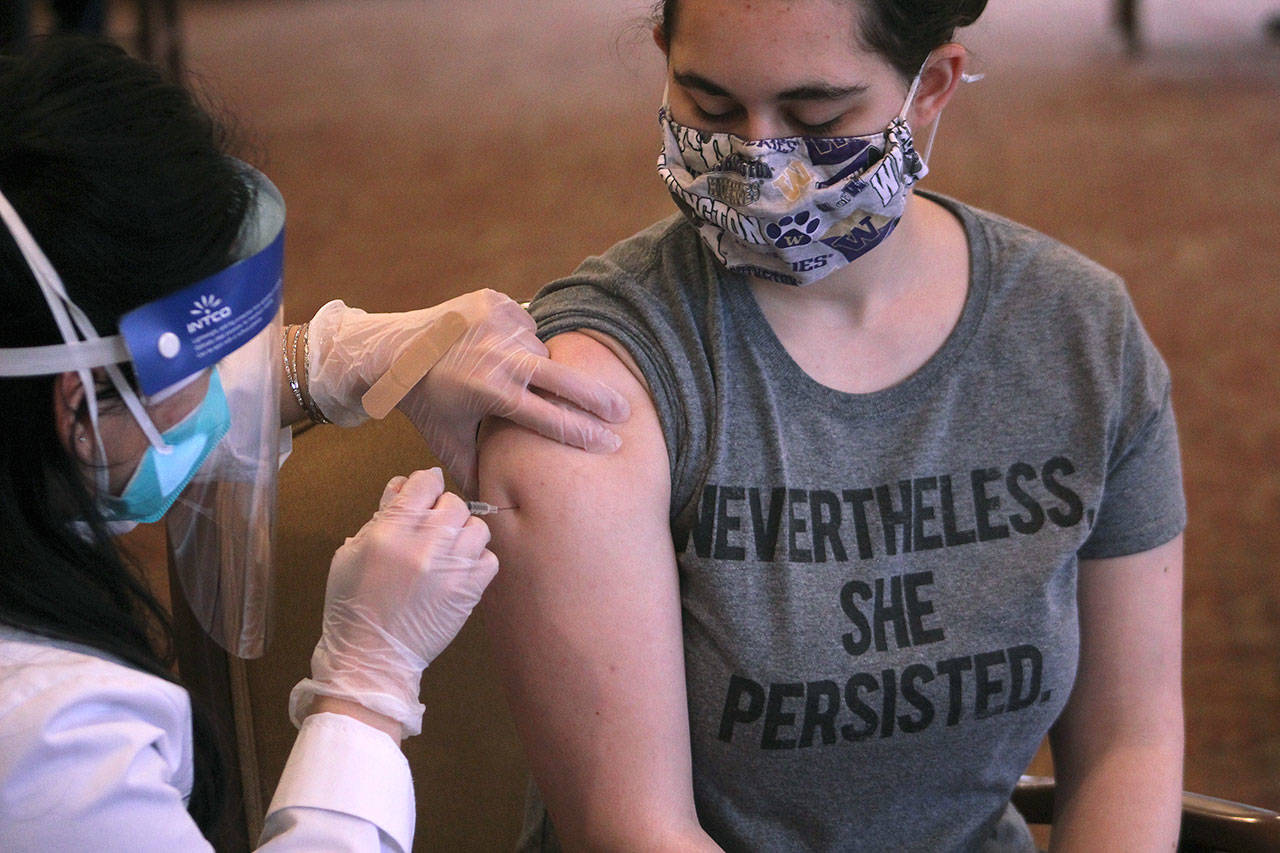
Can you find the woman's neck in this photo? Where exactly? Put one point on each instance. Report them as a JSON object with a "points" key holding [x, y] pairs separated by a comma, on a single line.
{"points": [[887, 312], [853, 292]]}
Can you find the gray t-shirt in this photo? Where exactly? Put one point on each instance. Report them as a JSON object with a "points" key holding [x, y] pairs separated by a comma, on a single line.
{"points": [[879, 590]]}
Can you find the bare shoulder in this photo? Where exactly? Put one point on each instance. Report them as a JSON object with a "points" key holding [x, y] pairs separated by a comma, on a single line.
{"points": [[517, 464]]}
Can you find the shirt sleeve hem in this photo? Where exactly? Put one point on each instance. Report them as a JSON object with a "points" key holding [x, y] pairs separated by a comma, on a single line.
{"points": [[1134, 544]]}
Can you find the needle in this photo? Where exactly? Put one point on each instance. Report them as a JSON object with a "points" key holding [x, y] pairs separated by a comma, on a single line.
{"points": [[482, 508]]}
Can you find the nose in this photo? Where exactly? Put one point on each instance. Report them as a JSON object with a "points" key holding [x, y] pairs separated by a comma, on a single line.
{"points": [[760, 125]]}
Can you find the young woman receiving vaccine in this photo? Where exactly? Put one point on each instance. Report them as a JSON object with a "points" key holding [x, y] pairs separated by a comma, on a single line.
{"points": [[899, 497]]}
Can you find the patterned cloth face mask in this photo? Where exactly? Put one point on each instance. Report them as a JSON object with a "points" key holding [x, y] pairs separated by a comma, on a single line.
{"points": [[796, 209]]}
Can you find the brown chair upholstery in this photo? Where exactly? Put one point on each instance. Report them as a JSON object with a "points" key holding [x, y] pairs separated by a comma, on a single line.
{"points": [[1208, 823]]}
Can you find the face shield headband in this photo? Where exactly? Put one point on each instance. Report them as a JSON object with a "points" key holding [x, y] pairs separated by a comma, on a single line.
{"points": [[221, 529]]}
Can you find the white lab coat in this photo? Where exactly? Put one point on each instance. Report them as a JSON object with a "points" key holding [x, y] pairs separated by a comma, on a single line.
{"points": [[97, 756]]}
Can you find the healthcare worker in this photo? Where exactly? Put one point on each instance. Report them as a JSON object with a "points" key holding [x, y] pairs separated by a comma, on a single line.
{"points": [[145, 373]]}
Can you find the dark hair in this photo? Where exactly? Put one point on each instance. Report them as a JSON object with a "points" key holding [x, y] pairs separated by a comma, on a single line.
{"points": [[122, 179], [902, 31]]}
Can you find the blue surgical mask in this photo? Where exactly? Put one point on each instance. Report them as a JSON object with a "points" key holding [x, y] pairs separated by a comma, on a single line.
{"points": [[162, 474]]}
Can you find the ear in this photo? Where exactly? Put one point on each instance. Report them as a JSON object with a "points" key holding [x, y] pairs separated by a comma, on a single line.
{"points": [[69, 419], [660, 39], [938, 82]]}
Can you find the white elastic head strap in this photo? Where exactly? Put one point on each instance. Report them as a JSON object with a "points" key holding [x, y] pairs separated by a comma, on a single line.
{"points": [[75, 354], [911, 90], [911, 94]]}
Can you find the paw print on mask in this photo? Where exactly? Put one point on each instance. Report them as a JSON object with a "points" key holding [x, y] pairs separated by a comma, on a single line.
{"points": [[791, 231]]}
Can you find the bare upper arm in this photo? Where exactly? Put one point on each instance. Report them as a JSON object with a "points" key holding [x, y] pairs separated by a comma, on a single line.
{"points": [[584, 618], [1128, 684], [1118, 745]]}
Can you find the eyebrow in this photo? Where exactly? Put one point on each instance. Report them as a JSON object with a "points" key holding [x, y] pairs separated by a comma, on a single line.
{"points": [[806, 92]]}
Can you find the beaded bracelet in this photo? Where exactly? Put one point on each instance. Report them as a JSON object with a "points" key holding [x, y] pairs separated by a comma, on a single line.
{"points": [[290, 371], [313, 410], [290, 352]]}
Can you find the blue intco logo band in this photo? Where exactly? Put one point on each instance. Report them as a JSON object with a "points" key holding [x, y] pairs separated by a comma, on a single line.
{"points": [[194, 328]]}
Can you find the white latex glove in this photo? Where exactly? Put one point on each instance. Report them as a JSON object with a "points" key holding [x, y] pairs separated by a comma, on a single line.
{"points": [[351, 349], [398, 593], [488, 370], [493, 369]]}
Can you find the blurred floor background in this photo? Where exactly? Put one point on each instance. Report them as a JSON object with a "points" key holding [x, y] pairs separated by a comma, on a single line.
{"points": [[427, 148]]}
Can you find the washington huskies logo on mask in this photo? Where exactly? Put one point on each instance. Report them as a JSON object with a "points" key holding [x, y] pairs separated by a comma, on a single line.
{"points": [[790, 210]]}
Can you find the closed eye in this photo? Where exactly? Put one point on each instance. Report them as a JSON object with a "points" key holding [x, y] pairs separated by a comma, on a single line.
{"points": [[707, 115], [818, 129]]}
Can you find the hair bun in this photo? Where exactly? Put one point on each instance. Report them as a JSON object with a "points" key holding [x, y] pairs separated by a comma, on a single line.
{"points": [[968, 11]]}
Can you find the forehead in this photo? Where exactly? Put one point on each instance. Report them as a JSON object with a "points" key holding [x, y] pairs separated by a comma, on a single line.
{"points": [[761, 42]]}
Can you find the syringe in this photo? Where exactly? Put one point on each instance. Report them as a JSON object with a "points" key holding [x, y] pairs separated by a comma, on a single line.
{"points": [[482, 508]]}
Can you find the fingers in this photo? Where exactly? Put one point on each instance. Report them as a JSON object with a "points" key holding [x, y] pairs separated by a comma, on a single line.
{"points": [[490, 306], [501, 340], [450, 511], [486, 567], [578, 388], [418, 493], [507, 321], [472, 539], [532, 343], [510, 311], [565, 424], [394, 485], [471, 544]]}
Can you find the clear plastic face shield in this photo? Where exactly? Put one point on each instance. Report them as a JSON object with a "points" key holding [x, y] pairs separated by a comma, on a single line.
{"points": [[224, 332]]}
